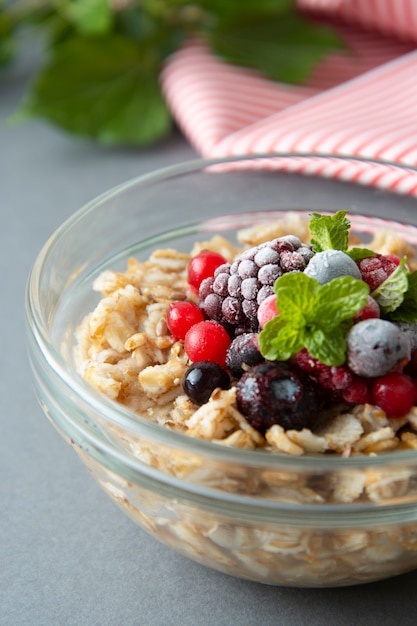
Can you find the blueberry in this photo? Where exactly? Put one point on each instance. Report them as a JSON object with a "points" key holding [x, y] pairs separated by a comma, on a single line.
{"points": [[329, 264], [375, 347], [202, 378], [243, 353], [275, 393]]}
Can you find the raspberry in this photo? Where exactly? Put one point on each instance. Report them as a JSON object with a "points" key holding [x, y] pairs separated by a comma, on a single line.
{"points": [[275, 393], [395, 393], [370, 310], [332, 377], [374, 270], [357, 392], [181, 316], [203, 265], [207, 341], [232, 295]]}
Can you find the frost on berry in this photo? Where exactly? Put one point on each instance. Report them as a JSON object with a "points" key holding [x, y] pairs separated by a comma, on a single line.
{"points": [[240, 287], [276, 393], [375, 270]]}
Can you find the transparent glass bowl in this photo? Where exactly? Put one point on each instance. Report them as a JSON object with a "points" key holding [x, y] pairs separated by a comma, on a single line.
{"points": [[234, 510]]}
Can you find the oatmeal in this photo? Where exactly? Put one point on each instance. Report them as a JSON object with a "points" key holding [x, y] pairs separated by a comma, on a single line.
{"points": [[188, 341], [141, 346]]}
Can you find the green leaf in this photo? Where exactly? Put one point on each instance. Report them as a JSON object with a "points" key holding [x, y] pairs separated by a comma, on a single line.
{"points": [[360, 253], [407, 311], [296, 293], [102, 87], [285, 47], [6, 38], [329, 232], [232, 9], [312, 316], [340, 299], [390, 294], [89, 17], [329, 352]]}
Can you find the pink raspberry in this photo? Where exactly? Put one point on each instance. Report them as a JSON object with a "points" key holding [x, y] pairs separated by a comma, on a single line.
{"points": [[374, 270]]}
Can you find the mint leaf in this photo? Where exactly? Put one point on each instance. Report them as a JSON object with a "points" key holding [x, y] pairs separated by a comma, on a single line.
{"points": [[231, 9], [102, 87], [390, 294], [312, 316], [360, 253], [89, 17], [297, 295], [407, 310], [284, 47], [329, 232], [329, 352], [339, 299]]}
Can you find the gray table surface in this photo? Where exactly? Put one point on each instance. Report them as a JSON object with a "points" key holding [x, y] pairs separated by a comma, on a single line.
{"points": [[68, 556]]}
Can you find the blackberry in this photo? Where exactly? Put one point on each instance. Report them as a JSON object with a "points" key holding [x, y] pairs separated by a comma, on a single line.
{"points": [[243, 353], [276, 393], [233, 294]]}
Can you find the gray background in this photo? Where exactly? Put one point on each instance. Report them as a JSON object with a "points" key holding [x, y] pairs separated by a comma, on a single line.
{"points": [[68, 556]]}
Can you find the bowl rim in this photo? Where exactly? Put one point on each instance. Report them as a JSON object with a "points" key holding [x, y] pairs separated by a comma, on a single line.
{"points": [[119, 415]]}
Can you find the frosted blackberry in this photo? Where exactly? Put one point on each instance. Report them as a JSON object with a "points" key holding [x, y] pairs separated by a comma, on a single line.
{"points": [[233, 294], [275, 393]]}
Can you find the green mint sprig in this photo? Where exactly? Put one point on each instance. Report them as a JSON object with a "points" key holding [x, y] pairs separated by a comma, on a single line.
{"points": [[390, 294], [331, 232], [407, 310], [312, 316]]}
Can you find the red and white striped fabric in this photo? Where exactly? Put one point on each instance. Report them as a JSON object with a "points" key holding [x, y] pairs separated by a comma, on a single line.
{"points": [[359, 102]]}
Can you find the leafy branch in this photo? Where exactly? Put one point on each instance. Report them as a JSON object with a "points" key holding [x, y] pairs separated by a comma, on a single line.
{"points": [[100, 73]]}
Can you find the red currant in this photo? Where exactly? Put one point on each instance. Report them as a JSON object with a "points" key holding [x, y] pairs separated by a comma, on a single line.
{"points": [[203, 266], [395, 393], [181, 316], [207, 341]]}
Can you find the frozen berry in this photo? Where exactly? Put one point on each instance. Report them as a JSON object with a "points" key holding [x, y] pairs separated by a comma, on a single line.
{"points": [[357, 392], [207, 341], [330, 264], [376, 346], [202, 266], [202, 378], [370, 310], [395, 393], [234, 293], [267, 310], [243, 353], [181, 316], [333, 377], [275, 393], [374, 270]]}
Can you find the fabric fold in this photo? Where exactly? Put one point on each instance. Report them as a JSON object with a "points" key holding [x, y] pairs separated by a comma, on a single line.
{"points": [[358, 102]]}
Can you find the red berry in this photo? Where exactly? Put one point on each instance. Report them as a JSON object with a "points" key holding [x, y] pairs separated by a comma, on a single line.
{"points": [[181, 316], [395, 393], [203, 266], [375, 270], [357, 392], [370, 310], [207, 341], [267, 310]]}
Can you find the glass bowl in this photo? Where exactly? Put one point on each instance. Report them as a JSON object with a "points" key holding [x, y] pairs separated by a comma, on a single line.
{"points": [[271, 518]]}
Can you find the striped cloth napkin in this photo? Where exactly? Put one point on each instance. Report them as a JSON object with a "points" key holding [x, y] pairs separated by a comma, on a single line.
{"points": [[359, 102]]}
